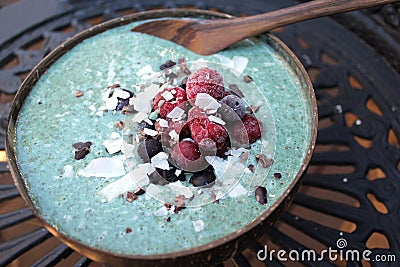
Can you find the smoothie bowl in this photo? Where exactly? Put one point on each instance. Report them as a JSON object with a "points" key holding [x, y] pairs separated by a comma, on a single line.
{"points": [[134, 150]]}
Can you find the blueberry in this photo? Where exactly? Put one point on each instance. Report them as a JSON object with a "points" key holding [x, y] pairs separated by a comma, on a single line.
{"points": [[163, 177], [122, 103], [234, 104], [148, 149], [203, 178]]}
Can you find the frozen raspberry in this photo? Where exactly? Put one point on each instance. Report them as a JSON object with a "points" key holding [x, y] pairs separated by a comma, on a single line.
{"points": [[186, 156], [196, 112], [233, 109], [204, 80], [247, 131], [166, 100], [217, 133], [181, 128], [208, 147], [202, 128], [198, 129]]}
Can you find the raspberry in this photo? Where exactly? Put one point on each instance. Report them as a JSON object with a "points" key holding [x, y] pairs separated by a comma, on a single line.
{"points": [[196, 112], [217, 133], [180, 127], [165, 107], [202, 128], [247, 131], [186, 156], [204, 80], [198, 129]]}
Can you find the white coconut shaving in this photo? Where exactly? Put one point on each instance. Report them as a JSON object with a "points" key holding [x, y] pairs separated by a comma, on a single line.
{"points": [[150, 132], [160, 161], [174, 135], [176, 113], [216, 120], [142, 101], [68, 172], [180, 189], [206, 102], [163, 123], [139, 117], [153, 190], [198, 225], [161, 212], [240, 63], [146, 70], [113, 145], [167, 95], [120, 186], [237, 191], [104, 167]]}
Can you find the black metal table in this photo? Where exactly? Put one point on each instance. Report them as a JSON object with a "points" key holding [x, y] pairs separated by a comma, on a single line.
{"points": [[350, 191]]}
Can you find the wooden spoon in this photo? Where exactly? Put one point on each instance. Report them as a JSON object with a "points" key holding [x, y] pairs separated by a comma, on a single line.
{"points": [[207, 37]]}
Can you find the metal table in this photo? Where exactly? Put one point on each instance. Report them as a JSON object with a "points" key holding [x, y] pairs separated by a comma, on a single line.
{"points": [[350, 191]]}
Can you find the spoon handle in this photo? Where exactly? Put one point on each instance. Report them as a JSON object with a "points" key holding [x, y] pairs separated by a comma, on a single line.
{"points": [[309, 10]]}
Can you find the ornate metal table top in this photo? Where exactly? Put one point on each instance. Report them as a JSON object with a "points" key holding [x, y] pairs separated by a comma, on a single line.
{"points": [[349, 198]]}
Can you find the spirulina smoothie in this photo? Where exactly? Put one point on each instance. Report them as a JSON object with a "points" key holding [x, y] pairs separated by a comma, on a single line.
{"points": [[75, 159]]}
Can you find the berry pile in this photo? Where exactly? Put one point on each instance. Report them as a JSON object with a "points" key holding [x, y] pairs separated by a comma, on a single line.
{"points": [[199, 118]]}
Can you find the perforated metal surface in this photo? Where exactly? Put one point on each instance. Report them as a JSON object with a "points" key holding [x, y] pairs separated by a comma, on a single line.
{"points": [[351, 188]]}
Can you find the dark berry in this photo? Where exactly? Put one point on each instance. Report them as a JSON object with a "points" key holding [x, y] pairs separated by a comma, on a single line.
{"points": [[148, 149], [232, 103], [203, 178], [163, 177], [204, 80]]}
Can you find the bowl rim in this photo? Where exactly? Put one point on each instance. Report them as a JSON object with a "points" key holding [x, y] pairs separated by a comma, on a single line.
{"points": [[59, 51]]}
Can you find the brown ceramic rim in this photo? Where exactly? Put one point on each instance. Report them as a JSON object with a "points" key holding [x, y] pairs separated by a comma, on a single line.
{"points": [[213, 252]]}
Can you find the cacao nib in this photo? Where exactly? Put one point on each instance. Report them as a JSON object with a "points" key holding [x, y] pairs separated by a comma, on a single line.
{"points": [[261, 195]]}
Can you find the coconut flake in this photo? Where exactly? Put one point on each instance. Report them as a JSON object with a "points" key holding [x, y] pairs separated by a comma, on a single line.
{"points": [[174, 135], [120, 186], [142, 102], [146, 70], [150, 132], [167, 95], [206, 102], [154, 190], [180, 189], [121, 94], [161, 212], [113, 145], [216, 120], [238, 190], [68, 172], [160, 161], [140, 174], [198, 225], [104, 167], [139, 117], [176, 113], [240, 63], [115, 135], [163, 123]]}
